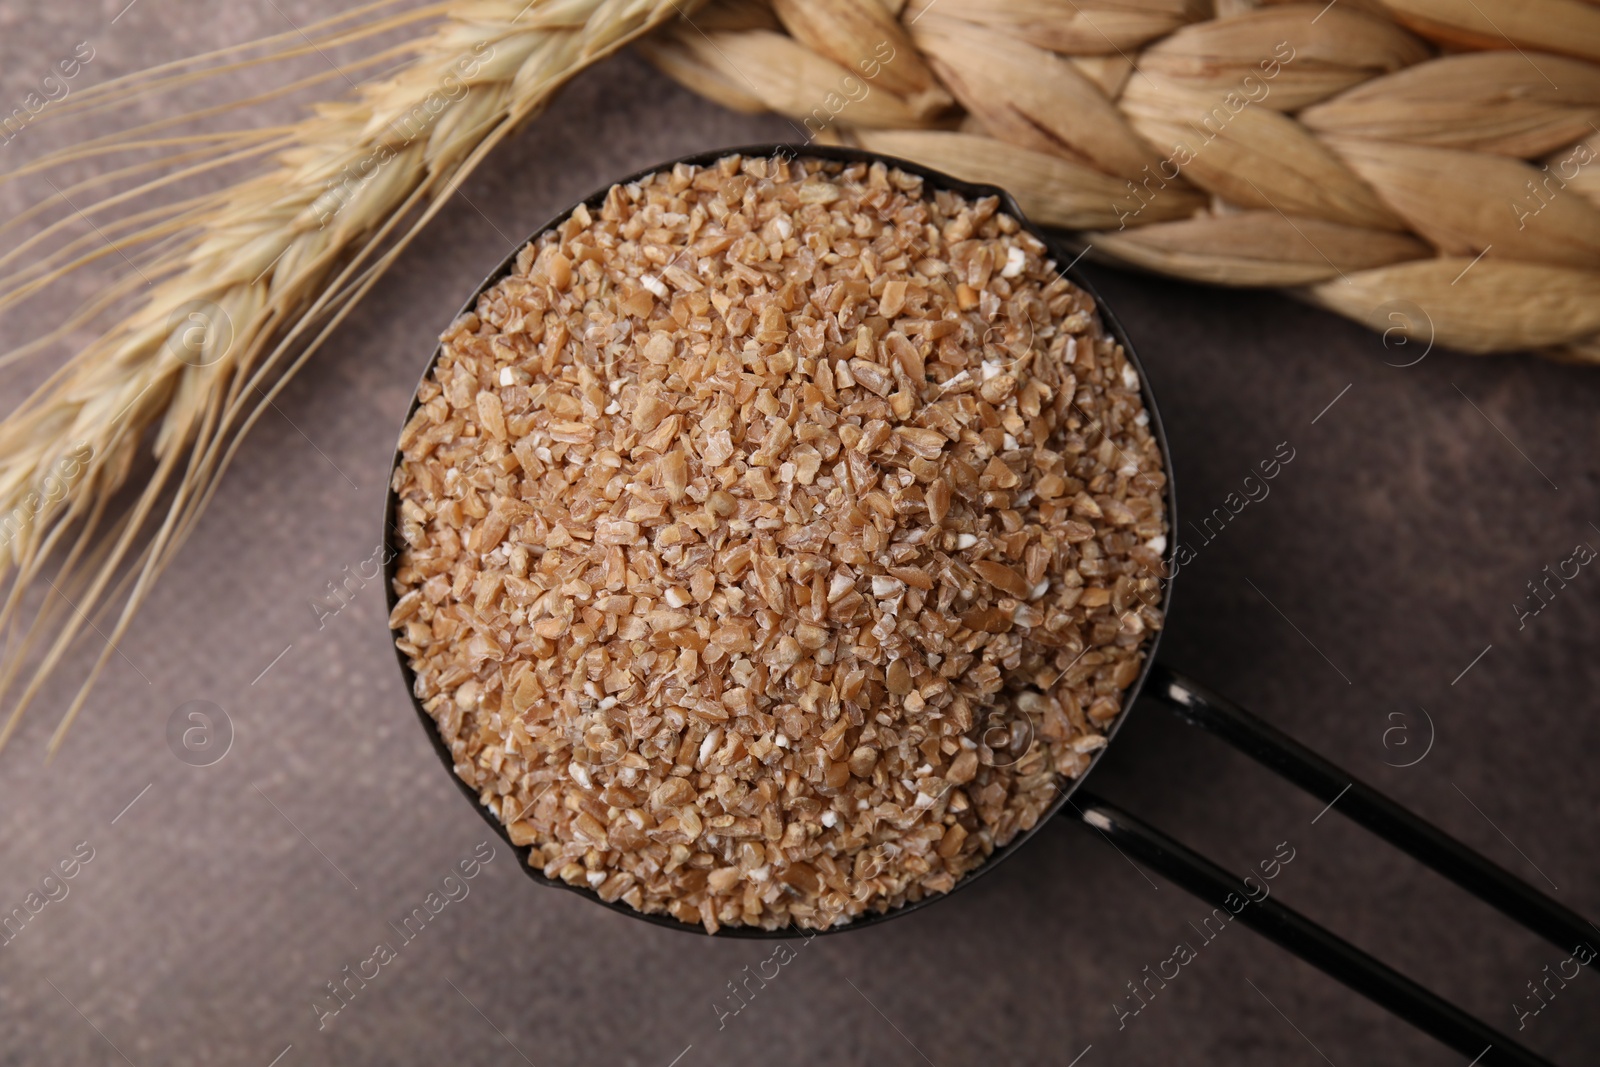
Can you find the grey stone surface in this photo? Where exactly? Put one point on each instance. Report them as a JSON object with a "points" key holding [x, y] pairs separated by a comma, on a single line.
{"points": [[1392, 547]]}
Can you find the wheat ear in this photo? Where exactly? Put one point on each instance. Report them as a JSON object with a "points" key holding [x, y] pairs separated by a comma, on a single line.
{"points": [[1423, 166], [245, 285]]}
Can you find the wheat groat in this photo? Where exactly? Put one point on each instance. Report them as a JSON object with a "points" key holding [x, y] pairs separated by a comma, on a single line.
{"points": [[777, 537]]}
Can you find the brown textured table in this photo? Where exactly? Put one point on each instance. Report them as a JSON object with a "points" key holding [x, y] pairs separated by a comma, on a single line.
{"points": [[1385, 560]]}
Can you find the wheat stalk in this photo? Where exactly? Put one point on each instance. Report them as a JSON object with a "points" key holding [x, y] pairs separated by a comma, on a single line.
{"points": [[1342, 150], [249, 283]]}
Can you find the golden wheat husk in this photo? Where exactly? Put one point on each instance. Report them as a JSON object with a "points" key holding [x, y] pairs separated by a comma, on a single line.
{"points": [[1245, 143]]}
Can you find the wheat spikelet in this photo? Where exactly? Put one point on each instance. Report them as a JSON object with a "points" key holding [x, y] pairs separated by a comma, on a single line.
{"points": [[248, 283], [1357, 151]]}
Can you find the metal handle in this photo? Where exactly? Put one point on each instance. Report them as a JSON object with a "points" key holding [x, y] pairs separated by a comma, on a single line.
{"points": [[1317, 946], [1364, 973], [1356, 800]]}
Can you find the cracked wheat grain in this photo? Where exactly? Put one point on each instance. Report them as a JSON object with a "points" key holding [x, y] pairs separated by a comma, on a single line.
{"points": [[774, 536]]}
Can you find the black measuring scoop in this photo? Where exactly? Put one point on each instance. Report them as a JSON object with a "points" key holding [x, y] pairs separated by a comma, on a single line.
{"points": [[1192, 703]]}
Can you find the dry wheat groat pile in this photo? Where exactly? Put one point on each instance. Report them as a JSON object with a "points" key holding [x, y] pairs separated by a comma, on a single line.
{"points": [[774, 537]]}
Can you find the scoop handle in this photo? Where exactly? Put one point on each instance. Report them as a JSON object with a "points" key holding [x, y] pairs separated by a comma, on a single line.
{"points": [[1355, 800], [1344, 793], [1314, 944]]}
